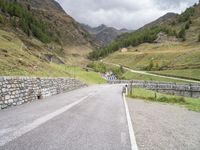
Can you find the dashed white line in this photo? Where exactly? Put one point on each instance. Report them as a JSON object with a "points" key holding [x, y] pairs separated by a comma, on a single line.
{"points": [[130, 126]]}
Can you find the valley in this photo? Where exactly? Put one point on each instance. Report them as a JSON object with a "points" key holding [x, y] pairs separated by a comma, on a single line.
{"points": [[175, 59], [85, 75], [70, 44], [168, 46]]}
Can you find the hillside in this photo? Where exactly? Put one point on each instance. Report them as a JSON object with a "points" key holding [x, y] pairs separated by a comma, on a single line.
{"points": [[46, 21], [68, 30], [37, 38], [169, 17], [179, 57], [103, 35]]}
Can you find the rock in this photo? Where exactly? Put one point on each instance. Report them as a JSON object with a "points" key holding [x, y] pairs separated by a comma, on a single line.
{"points": [[7, 97]]}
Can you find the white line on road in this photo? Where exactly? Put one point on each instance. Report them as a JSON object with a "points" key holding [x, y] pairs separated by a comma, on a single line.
{"points": [[130, 126], [38, 122]]}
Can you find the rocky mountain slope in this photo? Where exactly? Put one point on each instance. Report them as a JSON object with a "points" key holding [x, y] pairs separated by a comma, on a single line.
{"points": [[50, 11], [103, 35], [36, 36]]}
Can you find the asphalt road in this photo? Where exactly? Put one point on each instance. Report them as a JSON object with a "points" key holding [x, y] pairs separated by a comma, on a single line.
{"points": [[91, 118]]}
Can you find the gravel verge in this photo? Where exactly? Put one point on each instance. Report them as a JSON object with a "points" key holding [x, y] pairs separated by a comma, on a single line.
{"points": [[161, 126]]}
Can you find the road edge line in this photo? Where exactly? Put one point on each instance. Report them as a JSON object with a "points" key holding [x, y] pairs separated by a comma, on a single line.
{"points": [[130, 126], [38, 122]]}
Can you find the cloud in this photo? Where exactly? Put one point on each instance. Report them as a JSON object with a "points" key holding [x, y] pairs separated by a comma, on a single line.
{"points": [[130, 14]]}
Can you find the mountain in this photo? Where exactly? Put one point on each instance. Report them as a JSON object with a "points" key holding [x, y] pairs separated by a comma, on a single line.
{"points": [[50, 11], [185, 27], [168, 46], [103, 35], [35, 35], [94, 30], [162, 20]]}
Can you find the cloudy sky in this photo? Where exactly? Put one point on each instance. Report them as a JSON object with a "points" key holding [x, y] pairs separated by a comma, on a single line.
{"points": [[130, 14]]}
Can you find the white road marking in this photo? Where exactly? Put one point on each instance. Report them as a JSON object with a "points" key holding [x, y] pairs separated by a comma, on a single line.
{"points": [[19, 132], [130, 126]]}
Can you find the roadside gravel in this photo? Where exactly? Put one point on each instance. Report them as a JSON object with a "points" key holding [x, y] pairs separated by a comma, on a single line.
{"points": [[160, 126]]}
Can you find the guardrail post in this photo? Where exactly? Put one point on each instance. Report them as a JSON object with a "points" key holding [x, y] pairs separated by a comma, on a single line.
{"points": [[131, 90], [191, 94]]}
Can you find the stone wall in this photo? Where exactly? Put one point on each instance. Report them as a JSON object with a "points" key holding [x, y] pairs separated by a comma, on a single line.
{"points": [[18, 90], [186, 90]]}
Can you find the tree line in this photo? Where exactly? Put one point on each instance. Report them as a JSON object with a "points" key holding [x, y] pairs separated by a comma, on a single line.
{"points": [[131, 39], [23, 18]]}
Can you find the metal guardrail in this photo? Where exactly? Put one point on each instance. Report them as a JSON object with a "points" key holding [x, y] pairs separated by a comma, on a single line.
{"points": [[188, 90]]}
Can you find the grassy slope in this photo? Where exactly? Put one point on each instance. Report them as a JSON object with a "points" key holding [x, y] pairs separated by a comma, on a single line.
{"points": [[182, 57], [17, 60], [174, 55], [130, 76], [177, 56], [190, 103], [187, 73], [127, 75]]}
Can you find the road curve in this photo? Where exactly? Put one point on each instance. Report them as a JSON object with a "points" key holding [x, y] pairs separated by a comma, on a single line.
{"points": [[151, 74], [91, 118]]}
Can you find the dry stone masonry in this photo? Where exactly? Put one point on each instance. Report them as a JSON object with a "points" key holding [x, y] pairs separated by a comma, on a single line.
{"points": [[186, 90], [18, 90]]}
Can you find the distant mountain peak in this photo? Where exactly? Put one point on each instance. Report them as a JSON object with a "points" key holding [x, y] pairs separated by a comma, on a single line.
{"points": [[103, 35]]}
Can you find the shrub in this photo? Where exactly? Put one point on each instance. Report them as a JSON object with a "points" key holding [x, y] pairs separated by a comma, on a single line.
{"points": [[1, 19], [122, 69], [118, 72], [182, 34], [98, 67], [199, 38], [187, 26], [163, 99], [150, 66], [181, 99]]}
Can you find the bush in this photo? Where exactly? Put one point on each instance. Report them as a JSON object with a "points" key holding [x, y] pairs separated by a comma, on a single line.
{"points": [[122, 69], [199, 38], [118, 72], [182, 34], [163, 99], [98, 67], [150, 67], [1, 19], [187, 26]]}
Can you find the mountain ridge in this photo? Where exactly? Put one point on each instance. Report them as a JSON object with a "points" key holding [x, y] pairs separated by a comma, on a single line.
{"points": [[39, 37], [103, 35]]}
